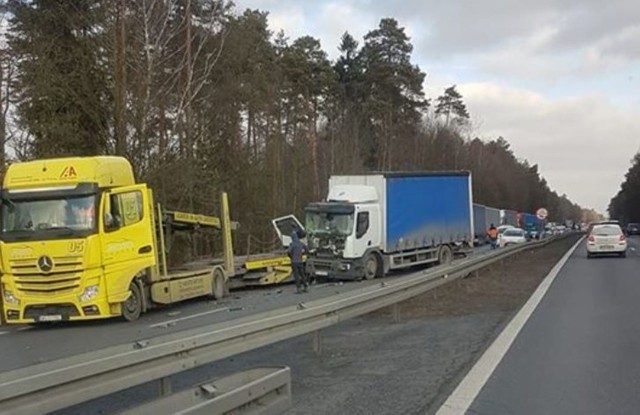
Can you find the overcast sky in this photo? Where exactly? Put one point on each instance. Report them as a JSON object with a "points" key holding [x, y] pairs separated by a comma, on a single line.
{"points": [[559, 79]]}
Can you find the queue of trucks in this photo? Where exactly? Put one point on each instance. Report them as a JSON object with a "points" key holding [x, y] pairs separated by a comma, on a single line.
{"points": [[82, 240]]}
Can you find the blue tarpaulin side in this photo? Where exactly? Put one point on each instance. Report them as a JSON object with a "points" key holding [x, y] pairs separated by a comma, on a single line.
{"points": [[427, 210], [530, 222]]}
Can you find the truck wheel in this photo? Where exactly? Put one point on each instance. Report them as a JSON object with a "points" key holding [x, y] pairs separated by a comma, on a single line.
{"points": [[445, 256], [132, 308], [219, 284], [371, 266]]}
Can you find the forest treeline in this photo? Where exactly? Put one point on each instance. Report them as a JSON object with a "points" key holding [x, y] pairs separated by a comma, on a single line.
{"points": [[625, 205], [202, 97]]}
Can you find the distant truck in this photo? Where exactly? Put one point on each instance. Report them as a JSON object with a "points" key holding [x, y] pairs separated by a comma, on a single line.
{"points": [[508, 217], [483, 218], [532, 225], [374, 223]]}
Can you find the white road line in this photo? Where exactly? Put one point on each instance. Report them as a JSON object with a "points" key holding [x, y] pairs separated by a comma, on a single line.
{"points": [[175, 320], [467, 391], [16, 330]]}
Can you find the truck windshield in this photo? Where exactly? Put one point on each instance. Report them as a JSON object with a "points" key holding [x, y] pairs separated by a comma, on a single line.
{"points": [[327, 222], [48, 218]]}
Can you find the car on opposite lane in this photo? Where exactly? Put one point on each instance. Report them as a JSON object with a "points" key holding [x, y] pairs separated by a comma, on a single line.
{"points": [[633, 229], [606, 239]]}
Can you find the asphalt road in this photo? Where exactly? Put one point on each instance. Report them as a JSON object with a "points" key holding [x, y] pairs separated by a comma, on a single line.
{"points": [[372, 364], [24, 345], [579, 353]]}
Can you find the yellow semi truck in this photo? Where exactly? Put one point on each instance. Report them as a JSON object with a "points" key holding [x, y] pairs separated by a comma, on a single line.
{"points": [[81, 240]]}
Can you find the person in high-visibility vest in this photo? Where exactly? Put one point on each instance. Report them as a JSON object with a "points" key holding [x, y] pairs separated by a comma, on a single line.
{"points": [[492, 234]]}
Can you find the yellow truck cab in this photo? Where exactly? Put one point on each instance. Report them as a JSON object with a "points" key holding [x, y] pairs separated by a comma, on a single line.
{"points": [[80, 241]]}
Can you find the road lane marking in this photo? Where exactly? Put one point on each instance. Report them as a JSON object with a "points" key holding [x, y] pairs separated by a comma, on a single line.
{"points": [[466, 392], [4, 332], [168, 323]]}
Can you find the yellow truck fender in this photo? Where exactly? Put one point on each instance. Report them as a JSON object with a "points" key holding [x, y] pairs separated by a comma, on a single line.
{"points": [[122, 296]]}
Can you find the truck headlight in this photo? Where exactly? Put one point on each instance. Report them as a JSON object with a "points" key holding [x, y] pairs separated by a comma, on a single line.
{"points": [[89, 293], [9, 298]]}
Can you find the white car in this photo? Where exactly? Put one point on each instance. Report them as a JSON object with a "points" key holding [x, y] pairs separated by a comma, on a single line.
{"points": [[606, 239], [513, 236], [503, 228]]}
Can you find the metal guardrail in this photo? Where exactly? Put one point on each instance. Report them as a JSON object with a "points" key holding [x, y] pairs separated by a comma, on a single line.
{"points": [[263, 391], [65, 382]]}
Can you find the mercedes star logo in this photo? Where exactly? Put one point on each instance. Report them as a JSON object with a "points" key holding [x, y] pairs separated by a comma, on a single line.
{"points": [[45, 263]]}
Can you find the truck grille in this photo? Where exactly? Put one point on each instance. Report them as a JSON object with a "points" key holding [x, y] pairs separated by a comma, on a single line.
{"points": [[64, 277], [320, 265]]}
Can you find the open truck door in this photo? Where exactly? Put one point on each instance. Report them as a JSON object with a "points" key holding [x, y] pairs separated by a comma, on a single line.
{"points": [[284, 226]]}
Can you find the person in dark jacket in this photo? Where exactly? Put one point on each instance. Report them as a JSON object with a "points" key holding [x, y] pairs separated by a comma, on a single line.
{"points": [[296, 252]]}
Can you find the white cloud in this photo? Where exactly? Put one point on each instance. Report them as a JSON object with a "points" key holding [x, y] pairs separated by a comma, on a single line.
{"points": [[289, 20], [623, 45], [334, 19], [582, 145]]}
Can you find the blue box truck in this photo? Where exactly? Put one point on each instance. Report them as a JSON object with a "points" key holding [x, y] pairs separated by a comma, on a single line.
{"points": [[373, 223], [532, 225]]}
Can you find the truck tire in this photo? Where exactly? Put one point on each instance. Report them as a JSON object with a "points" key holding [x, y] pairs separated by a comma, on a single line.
{"points": [[219, 284], [132, 308], [445, 256], [371, 266]]}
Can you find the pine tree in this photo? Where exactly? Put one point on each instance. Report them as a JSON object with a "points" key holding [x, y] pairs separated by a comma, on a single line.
{"points": [[394, 92], [452, 107], [64, 98]]}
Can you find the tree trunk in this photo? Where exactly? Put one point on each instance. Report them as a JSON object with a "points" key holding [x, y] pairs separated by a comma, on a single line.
{"points": [[313, 135], [120, 80], [4, 104]]}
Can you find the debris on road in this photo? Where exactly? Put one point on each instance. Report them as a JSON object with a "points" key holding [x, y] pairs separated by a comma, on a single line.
{"points": [[140, 344]]}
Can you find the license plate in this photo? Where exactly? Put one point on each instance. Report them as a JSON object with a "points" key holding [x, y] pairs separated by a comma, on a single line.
{"points": [[322, 273], [606, 247], [52, 317]]}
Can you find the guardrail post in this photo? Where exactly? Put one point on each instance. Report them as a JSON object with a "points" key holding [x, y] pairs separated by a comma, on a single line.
{"points": [[2, 322], [317, 342], [395, 309], [165, 386]]}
